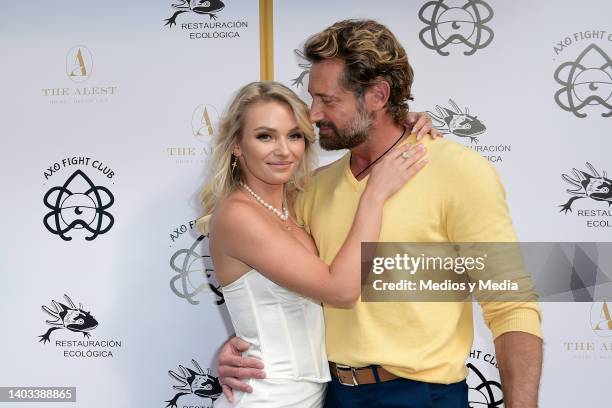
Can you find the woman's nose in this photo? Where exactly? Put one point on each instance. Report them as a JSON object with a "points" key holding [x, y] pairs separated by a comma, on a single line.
{"points": [[281, 146]]}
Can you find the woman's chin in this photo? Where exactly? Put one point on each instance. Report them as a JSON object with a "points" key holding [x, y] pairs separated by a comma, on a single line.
{"points": [[276, 179]]}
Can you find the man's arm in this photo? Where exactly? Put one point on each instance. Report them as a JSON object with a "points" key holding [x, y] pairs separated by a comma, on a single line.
{"points": [[477, 212], [519, 357], [233, 367]]}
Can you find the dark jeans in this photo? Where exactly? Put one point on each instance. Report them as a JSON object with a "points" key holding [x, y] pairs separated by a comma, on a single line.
{"points": [[400, 393]]}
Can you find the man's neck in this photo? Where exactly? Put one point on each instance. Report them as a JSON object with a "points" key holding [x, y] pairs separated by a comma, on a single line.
{"points": [[383, 135]]}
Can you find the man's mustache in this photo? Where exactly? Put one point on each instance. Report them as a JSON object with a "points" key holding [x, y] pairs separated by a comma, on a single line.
{"points": [[323, 123]]}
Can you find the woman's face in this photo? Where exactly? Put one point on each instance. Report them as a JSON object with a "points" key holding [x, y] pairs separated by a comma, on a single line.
{"points": [[272, 145]]}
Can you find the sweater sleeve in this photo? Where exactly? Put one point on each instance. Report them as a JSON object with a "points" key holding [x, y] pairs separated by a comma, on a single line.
{"points": [[476, 211]]}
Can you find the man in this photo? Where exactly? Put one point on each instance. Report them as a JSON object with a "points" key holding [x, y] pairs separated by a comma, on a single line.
{"points": [[392, 354]]}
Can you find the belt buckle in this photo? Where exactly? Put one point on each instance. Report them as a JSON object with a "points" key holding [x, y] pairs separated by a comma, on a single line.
{"points": [[352, 370]]}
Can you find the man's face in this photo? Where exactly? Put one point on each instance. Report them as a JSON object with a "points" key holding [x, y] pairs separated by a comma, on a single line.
{"points": [[342, 119]]}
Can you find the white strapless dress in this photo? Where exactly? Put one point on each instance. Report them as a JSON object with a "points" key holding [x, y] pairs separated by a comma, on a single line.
{"points": [[287, 333]]}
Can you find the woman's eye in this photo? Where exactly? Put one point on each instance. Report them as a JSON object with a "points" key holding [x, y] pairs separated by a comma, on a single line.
{"points": [[263, 137], [296, 136]]}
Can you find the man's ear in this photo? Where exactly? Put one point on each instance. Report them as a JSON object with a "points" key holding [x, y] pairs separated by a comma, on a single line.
{"points": [[377, 95]]}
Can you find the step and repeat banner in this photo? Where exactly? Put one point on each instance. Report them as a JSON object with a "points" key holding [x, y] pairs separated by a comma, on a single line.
{"points": [[107, 112]]}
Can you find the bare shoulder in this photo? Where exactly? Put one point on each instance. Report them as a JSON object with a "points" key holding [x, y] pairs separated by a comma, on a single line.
{"points": [[236, 220]]}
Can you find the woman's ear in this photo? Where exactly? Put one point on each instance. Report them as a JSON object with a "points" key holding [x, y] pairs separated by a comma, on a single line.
{"points": [[237, 151]]}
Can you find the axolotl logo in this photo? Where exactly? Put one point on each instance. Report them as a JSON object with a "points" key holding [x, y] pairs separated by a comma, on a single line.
{"points": [[596, 187], [66, 315], [458, 122], [209, 8], [69, 317], [196, 382], [587, 184]]}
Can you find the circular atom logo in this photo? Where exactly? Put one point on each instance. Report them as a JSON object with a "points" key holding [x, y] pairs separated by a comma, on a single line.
{"points": [[587, 81], [483, 392], [78, 204], [454, 22], [194, 272]]}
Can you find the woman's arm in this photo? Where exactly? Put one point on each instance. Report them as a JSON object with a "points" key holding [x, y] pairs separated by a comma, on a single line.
{"points": [[265, 247]]}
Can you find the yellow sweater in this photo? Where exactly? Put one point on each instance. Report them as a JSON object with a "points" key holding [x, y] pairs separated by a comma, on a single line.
{"points": [[457, 197]]}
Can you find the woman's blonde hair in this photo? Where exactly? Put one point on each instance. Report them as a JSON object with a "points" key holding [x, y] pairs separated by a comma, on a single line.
{"points": [[223, 179]]}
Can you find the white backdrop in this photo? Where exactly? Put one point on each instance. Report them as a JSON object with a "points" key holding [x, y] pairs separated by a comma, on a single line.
{"points": [[509, 86], [137, 100]]}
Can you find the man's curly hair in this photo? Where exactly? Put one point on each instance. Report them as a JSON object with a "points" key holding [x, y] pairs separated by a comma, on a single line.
{"points": [[371, 53]]}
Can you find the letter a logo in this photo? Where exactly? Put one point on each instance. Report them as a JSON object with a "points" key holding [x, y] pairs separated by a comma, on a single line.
{"points": [[79, 63]]}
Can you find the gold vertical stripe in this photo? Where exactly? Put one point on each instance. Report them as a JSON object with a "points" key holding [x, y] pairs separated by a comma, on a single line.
{"points": [[81, 63], [266, 40], [208, 122]]}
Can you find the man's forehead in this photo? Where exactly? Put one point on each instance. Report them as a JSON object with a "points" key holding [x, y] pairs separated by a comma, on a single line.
{"points": [[324, 77]]}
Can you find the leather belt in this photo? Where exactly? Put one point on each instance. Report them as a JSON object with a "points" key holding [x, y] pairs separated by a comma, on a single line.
{"points": [[352, 376]]}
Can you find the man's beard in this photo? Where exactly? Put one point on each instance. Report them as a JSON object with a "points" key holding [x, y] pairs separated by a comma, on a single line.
{"points": [[355, 133]]}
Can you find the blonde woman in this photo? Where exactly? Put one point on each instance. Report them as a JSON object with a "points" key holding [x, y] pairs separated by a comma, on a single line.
{"points": [[273, 281]]}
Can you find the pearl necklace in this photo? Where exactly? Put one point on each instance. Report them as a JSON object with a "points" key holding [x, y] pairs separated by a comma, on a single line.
{"points": [[283, 215]]}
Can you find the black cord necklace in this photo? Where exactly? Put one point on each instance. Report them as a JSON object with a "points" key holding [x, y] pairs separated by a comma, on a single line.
{"points": [[379, 157]]}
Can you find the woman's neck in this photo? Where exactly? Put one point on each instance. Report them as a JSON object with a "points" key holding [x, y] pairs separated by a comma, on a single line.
{"points": [[272, 194]]}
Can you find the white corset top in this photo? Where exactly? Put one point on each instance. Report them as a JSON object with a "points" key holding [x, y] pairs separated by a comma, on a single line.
{"points": [[286, 330]]}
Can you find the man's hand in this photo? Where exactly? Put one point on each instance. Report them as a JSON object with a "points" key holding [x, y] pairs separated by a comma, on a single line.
{"points": [[233, 367], [519, 356], [420, 123]]}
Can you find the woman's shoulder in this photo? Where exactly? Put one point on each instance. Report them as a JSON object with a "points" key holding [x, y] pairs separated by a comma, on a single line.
{"points": [[236, 215]]}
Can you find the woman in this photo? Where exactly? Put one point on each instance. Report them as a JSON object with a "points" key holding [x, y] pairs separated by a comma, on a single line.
{"points": [[267, 264]]}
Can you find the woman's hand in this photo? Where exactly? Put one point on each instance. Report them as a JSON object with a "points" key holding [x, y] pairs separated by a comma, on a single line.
{"points": [[420, 123], [394, 170]]}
